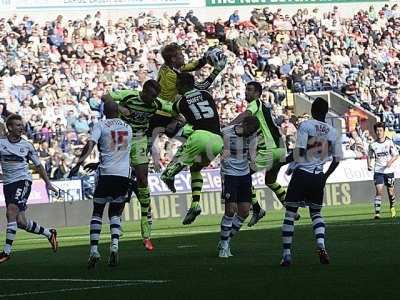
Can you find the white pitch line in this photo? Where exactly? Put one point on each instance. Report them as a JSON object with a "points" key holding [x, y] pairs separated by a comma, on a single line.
{"points": [[65, 290], [86, 280], [186, 246], [126, 283]]}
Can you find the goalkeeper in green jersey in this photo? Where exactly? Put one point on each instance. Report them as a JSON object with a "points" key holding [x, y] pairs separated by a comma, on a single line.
{"points": [[136, 108], [167, 77]]}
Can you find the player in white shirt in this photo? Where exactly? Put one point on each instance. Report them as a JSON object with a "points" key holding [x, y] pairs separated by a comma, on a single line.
{"points": [[15, 155], [239, 141], [113, 137], [385, 153], [316, 143]]}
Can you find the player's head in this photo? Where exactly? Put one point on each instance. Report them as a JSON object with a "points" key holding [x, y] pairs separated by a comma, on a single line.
{"points": [[111, 109], [172, 55], [319, 109], [250, 125], [184, 83], [253, 91], [379, 129], [15, 125], [151, 90]]}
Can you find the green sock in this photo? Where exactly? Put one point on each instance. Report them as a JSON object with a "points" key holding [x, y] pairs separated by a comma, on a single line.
{"points": [[144, 199], [197, 184], [173, 168], [254, 202], [278, 190]]}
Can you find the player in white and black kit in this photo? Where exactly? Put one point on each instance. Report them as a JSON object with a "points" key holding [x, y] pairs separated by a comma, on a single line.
{"points": [[15, 155], [113, 137], [316, 143], [239, 141], [385, 153]]}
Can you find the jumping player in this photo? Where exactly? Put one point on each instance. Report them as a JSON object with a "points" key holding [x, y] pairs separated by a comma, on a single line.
{"points": [[136, 108], [385, 153], [316, 143], [113, 137], [15, 155], [271, 151], [239, 141], [203, 145]]}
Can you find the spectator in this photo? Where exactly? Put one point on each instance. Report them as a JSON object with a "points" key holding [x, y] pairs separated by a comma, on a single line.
{"points": [[234, 19]]}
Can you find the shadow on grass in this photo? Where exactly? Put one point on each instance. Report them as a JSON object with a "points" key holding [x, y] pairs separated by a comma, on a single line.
{"points": [[360, 250]]}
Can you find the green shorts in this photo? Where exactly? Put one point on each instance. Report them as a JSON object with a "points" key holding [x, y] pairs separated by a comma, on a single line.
{"points": [[187, 130], [139, 151], [200, 149], [266, 159]]}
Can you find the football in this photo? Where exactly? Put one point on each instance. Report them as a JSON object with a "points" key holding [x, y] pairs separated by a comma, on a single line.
{"points": [[215, 56]]}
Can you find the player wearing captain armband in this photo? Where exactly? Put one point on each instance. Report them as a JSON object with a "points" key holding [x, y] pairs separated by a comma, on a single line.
{"points": [[137, 108], [239, 148], [113, 137], [316, 144], [385, 153]]}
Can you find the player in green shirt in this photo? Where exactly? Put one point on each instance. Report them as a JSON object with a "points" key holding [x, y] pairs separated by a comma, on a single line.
{"points": [[136, 108], [271, 150]]}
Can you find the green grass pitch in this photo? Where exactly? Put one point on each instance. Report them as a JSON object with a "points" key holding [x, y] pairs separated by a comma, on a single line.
{"points": [[365, 262]]}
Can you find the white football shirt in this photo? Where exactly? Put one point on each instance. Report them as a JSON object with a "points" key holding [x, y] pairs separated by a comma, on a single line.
{"points": [[383, 153], [15, 158], [321, 143], [113, 137]]}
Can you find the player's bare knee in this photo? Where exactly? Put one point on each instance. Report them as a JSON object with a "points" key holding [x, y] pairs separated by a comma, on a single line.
{"points": [[230, 209], [21, 222], [12, 212], [243, 209]]}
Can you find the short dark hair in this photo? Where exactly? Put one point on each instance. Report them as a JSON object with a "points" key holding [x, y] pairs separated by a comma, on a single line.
{"points": [[12, 118], [170, 51], [320, 106], [110, 108], [252, 123], [257, 86], [185, 80], [379, 125], [152, 84]]}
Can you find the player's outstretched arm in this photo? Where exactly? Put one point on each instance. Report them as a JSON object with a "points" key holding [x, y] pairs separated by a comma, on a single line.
{"points": [[43, 175], [85, 154], [118, 97], [218, 65], [332, 167], [194, 65], [369, 158], [240, 117]]}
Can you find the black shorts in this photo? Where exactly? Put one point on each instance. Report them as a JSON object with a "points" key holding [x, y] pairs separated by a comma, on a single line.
{"points": [[17, 193], [158, 121], [236, 188], [110, 188], [387, 179], [305, 189], [133, 187]]}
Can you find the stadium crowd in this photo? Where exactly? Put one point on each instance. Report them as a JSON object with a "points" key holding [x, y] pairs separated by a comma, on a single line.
{"points": [[54, 74]]}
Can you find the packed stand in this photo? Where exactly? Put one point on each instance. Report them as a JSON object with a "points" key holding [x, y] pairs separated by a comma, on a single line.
{"points": [[54, 74]]}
